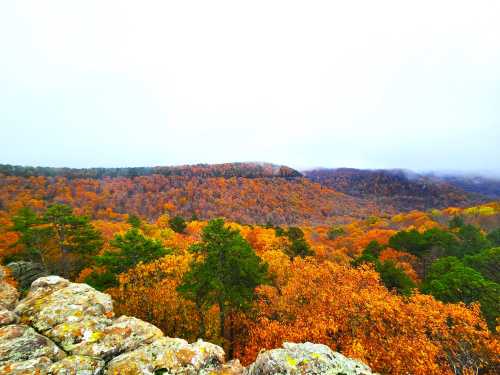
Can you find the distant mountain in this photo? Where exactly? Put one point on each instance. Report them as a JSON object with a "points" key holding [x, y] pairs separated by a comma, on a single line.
{"points": [[226, 170], [486, 186], [399, 189]]}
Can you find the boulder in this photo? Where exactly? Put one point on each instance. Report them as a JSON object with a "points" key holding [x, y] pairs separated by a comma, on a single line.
{"points": [[172, 355], [20, 343], [305, 358], [53, 300], [7, 317], [77, 365], [38, 366], [8, 295], [26, 272]]}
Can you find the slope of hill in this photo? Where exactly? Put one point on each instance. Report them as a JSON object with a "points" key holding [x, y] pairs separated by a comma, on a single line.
{"points": [[487, 186], [278, 200], [398, 189], [226, 170]]}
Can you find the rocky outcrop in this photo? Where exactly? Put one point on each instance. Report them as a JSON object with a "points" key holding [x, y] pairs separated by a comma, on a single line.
{"points": [[305, 358], [67, 328], [26, 272]]}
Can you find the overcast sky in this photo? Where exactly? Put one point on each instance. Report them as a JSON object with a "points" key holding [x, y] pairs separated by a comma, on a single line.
{"points": [[368, 84]]}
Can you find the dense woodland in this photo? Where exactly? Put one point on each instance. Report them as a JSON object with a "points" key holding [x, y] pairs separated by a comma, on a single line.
{"points": [[291, 260], [404, 190]]}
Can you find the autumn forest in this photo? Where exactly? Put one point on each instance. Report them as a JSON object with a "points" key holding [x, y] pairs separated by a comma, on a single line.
{"points": [[398, 271]]}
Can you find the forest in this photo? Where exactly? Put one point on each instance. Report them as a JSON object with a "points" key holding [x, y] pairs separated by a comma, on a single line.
{"points": [[249, 262]]}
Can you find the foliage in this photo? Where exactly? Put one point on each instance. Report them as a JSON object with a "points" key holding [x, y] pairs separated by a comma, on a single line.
{"points": [[62, 241], [178, 224], [129, 250], [226, 275], [487, 262], [449, 280]]}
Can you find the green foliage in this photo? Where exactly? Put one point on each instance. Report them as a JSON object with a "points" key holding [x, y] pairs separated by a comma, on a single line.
{"points": [[487, 262], [130, 249], [494, 237], [335, 232], [391, 275], [228, 273], [410, 241], [101, 281], [449, 280], [134, 221], [177, 224], [456, 222], [57, 229], [298, 244], [394, 277], [472, 240]]}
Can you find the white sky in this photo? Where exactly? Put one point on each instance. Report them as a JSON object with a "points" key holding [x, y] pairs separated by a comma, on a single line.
{"points": [[369, 84]]}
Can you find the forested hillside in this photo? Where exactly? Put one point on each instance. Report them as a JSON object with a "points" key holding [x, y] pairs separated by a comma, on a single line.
{"points": [[401, 190], [269, 196]]}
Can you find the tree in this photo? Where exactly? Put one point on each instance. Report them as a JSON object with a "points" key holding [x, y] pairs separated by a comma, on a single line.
{"points": [[134, 221], [298, 244], [177, 224], [449, 280], [487, 262], [226, 273], [335, 232], [129, 250], [394, 277], [456, 222], [494, 237], [68, 239], [472, 240]]}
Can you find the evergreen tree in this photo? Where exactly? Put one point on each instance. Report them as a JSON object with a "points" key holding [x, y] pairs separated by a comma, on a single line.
{"points": [[226, 276], [177, 224]]}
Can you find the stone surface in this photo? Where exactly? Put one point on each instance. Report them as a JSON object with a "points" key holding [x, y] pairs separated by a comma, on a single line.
{"points": [[173, 355], [21, 343], [305, 358], [77, 365], [8, 295], [125, 334], [38, 366], [26, 272], [7, 317], [52, 301]]}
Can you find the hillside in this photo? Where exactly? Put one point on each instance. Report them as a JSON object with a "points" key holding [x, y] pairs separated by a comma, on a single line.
{"points": [[272, 194], [397, 189], [486, 186], [226, 170]]}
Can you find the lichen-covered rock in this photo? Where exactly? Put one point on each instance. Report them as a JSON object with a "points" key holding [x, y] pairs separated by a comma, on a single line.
{"points": [[38, 366], [77, 365], [8, 295], [125, 334], [53, 300], [7, 317], [173, 355], [305, 358], [21, 343], [26, 272]]}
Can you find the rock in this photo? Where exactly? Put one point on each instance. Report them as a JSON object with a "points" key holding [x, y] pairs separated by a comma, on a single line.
{"points": [[53, 300], [8, 296], [125, 334], [7, 317], [173, 355], [305, 358], [77, 365], [37, 366], [20, 343], [26, 272]]}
